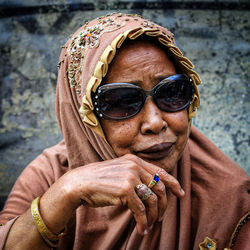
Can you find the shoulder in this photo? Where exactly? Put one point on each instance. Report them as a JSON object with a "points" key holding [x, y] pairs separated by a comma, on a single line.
{"points": [[36, 178], [52, 163], [212, 172], [220, 190]]}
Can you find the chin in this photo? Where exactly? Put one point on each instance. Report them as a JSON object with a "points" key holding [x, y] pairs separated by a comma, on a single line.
{"points": [[164, 163]]}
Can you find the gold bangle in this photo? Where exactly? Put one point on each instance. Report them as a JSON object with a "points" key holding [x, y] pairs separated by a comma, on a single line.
{"points": [[50, 238]]}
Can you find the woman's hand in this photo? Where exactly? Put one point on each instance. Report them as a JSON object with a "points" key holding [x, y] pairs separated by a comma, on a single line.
{"points": [[98, 184], [107, 183]]}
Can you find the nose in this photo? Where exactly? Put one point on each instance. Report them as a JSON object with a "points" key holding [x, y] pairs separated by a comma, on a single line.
{"points": [[152, 119]]}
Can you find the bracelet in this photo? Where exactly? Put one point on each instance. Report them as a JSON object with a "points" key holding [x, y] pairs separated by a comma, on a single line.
{"points": [[50, 238]]}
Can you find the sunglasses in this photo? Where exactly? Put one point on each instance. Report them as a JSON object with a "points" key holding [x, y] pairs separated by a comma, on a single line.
{"points": [[121, 101]]}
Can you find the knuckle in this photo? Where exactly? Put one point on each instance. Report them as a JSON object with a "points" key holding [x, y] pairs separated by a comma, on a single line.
{"points": [[161, 190], [174, 183], [132, 166], [162, 172], [141, 209], [130, 157], [168, 179], [153, 199], [126, 188], [130, 177], [133, 158]]}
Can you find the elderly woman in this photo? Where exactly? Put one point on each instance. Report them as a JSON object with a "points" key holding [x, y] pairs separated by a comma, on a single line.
{"points": [[130, 173]]}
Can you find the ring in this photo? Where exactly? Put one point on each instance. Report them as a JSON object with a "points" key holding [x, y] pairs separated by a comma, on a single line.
{"points": [[155, 180], [143, 191]]}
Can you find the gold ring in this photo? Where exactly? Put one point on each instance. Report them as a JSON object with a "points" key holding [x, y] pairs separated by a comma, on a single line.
{"points": [[154, 180], [143, 191]]}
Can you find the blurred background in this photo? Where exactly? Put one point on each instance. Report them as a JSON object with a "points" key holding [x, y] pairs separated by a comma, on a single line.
{"points": [[214, 34]]}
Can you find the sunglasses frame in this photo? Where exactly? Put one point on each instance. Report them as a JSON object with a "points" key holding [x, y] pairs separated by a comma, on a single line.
{"points": [[103, 88]]}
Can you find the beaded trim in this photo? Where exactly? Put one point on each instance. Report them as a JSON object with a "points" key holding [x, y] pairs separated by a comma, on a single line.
{"points": [[241, 223], [88, 38]]}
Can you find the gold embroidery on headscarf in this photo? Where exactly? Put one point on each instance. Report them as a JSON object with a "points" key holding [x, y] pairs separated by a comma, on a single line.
{"points": [[165, 40], [137, 32], [88, 38], [147, 28], [119, 40]]}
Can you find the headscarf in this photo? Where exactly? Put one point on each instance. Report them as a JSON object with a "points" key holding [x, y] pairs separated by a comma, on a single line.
{"points": [[83, 64], [216, 189]]}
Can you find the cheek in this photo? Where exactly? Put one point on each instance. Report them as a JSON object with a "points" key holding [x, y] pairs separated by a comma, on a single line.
{"points": [[179, 124], [120, 135], [178, 121]]}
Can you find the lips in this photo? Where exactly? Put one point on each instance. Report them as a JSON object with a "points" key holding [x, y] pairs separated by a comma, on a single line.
{"points": [[157, 151]]}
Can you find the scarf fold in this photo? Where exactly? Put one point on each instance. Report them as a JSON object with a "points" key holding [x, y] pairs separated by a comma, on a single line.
{"points": [[203, 171], [216, 189], [84, 62], [216, 197]]}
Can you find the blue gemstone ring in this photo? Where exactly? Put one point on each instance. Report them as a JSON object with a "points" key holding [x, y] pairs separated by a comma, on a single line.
{"points": [[154, 181]]}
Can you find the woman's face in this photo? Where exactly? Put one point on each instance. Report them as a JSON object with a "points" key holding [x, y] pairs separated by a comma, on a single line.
{"points": [[153, 135]]}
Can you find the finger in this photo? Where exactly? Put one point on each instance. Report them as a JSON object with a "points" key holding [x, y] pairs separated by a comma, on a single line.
{"points": [[152, 209], [169, 181], [139, 212], [157, 203], [160, 190]]}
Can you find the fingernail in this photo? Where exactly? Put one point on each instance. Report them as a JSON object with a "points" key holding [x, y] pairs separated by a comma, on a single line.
{"points": [[145, 232], [182, 191]]}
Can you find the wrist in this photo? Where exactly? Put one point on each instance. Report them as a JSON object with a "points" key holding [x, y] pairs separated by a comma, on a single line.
{"points": [[74, 190], [49, 237], [56, 208]]}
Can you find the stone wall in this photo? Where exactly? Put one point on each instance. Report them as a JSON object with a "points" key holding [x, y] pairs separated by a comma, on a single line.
{"points": [[213, 34]]}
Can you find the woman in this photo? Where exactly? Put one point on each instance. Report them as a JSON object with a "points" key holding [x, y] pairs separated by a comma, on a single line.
{"points": [[131, 173]]}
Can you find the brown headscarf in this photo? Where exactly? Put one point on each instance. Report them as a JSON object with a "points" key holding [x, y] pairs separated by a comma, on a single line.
{"points": [[84, 62], [85, 59], [216, 189]]}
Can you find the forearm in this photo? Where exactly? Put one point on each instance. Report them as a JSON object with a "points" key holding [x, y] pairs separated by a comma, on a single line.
{"points": [[106, 183], [24, 235], [55, 214]]}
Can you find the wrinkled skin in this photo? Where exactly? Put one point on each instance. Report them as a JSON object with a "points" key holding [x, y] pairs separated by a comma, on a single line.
{"points": [[145, 65], [113, 182]]}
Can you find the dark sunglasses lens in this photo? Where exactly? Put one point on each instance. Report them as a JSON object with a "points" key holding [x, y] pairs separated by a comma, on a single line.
{"points": [[121, 102], [173, 96]]}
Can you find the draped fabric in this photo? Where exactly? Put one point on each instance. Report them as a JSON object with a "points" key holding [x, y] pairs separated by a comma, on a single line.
{"points": [[217, 196], [84, 62], [216, 189]]}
